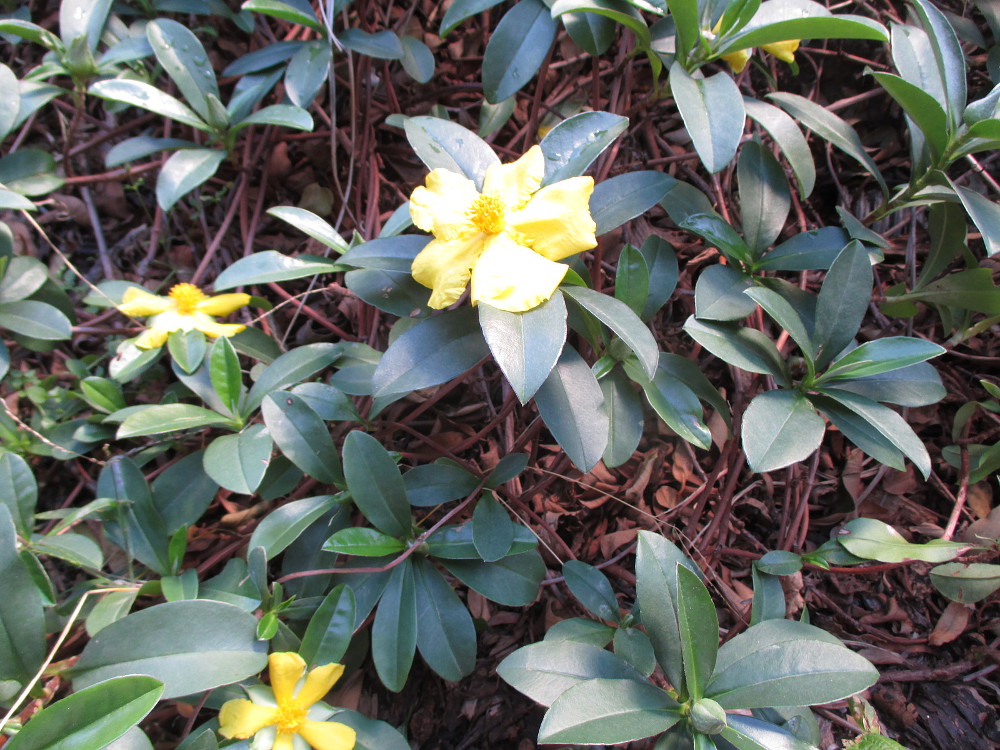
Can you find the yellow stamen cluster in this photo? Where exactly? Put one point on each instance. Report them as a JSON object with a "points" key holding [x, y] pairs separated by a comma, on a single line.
{"points": [[291, 716], [187, 297], [488, 213]]}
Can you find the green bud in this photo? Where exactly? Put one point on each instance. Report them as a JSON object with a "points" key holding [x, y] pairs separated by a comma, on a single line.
{"points": [[708, 717]]}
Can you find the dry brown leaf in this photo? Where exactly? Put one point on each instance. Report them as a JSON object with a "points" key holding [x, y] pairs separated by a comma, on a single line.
{"points": [[952, 624], [980, 499], [610, 543]]}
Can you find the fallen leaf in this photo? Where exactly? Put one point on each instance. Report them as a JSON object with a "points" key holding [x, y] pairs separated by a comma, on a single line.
{"points": [[951, 624]]}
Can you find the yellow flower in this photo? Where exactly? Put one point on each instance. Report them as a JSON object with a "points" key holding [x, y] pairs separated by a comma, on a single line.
{"points": [[185, 308], [506, 239], [784, 51], [286, 725], [738, 60]]}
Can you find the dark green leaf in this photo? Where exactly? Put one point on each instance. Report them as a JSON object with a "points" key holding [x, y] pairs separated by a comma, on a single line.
{"points": [[22, 619], [624, 409], [780, 428], [376, 484], [592, 589], [492, 529], [446, 637], [719, 294], [329, 631], [746, 348], [843, 300], [764, 197], [446, 145], [184, 59], [302, 436], [283, 525], [790, 140], [572, 145], [512, 581], [625, 196], [394, 632], [698, 625], [364, 542], [713, 113], [238, 462]]}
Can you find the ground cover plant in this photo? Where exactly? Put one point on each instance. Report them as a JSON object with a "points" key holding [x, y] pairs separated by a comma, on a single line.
{"points": [[490, 374]]}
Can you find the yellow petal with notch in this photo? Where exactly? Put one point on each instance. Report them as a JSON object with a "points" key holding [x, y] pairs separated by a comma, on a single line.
{"points": [[441, 207], [516, 182], [445, 266], [328, 735], [557, 221], [514, 278], [240, 719]]}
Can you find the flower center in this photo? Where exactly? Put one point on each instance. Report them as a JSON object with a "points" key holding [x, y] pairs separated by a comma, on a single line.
{"points": [[187, 297], [291, 716], [487, 213]]}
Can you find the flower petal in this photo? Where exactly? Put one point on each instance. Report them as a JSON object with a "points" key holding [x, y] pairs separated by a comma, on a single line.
{"points": [[240, 719], [328, 735], [223, 304], [784, 51], [285, 669], [557, 221], [441, 206], [284, 741], [213, 329], [140, 303], [152, 338], [516, 182], [514, 278], [738, 60], [445, 266], [318, 683]]}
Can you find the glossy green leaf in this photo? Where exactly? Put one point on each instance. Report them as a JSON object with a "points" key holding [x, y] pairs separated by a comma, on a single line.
{"points": [[329, 403], [459, 10], [512, 581], [282, 115], [966, 583], [625, 196], [748, 733], [985, 214], [307, 71], [632, 279], [571, 404], [592, 32], [948, 56], [806, 251], [843, 301], [698, 625], [829, 127], [634, 646], [592, 589], [10, 100], [394, 632], [617, 316], [145, 96], [238, 462], [417, 60], [719, 294], [544, 671], [516, 49], [92, 718], [225, 373], [788, 136], [291, 12], [138, 528], [713, 114], [383, 45], [916, 385], [330, 628], [441, 144], [871, 539], [306, 222], [18, 491], [376, 484], [780, 428], [882, 355], [184, 171], [922, 108], [786, 316], [37, 320], [686, 16], [583, 630], [285, 524], [75, 549], [183, 491], [661, 263], [678, 406], [292, 367], [457, 543], [446, 637], [718, 232], [430, 353], [764, 197], [30, 172], [624, 409], [364, 542], [746, 348], [768, 596], [441, 482], [607, 711], [187, 350], [302, 436], [492, 529], [572, 145], [526, 345], [184, 59], [22, 619]]}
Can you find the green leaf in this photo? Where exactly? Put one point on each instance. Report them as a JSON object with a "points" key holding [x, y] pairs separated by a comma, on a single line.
{"points": [[516, 49], [625, 196], [364, 542], [779, 22], [874, 540], [75, 549], [747, 733], [441, 144], [417, 60], [806, 251], [634, 646], [291, 368], [36, 320], [225, 373], [199, 645], [145, 96], [30, 172], [785, 316], [187, 350], [788, 136], [291, 12], [10, 100], [768, 596], [238, 462], [678, 406], [966, 583], [306, 222], [625, 417], [661, 263], [764, 197], [446, 637], [686, 17], [572, 145], [843, 300], [457, 543], [713, 114], [282, 115], [570, 403], [632, 279], [158, 419], [440, 482], [376, 484], [882, 355], [829, 127], [184, 171], [719, 294], [18, 491], [183, 491], [330, 628], [617, 316], [307, 72], [618, 12], [892, 426], [430, 353], [22, 619], [330, 403], [699, 630], [948, 56], [512, 581], [922, 108], [780, 428], [916, 385], [394, 632], [745, 348], [90, 719], [184, 59], [585, 631], [23, 277], [606, 711], [656, 565], [284, 525], [459, 10], [526, 345], [492, 529], [718, 232], [383, 45], [985, 214], [592, 589], [302, 436], [139, 528], [544, 671]]}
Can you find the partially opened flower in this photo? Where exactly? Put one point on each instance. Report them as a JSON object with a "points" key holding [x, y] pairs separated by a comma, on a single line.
{"points": [[185, 308], [506, 239], [784, 51], [291, 723], [738, 60]]}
